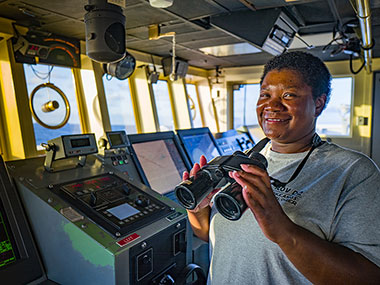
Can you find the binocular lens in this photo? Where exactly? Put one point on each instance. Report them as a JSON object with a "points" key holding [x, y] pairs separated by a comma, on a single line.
{"points": [[227, 206], [230, 202], [192, 191], [186, 197]]}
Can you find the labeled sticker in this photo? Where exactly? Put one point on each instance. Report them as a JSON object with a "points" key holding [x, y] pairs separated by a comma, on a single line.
{"points": [[128, 239]]}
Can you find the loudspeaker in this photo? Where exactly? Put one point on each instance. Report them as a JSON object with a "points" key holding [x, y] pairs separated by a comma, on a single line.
{"points": [[180, 67], [105, 31]]}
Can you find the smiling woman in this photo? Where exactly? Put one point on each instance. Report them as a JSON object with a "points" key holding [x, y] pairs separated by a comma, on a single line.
{"points": [[311, 229], [294, 90], [287, 111]]}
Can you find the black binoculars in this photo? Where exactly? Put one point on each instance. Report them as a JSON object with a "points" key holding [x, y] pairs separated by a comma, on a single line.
{"points": [[229, 200]]}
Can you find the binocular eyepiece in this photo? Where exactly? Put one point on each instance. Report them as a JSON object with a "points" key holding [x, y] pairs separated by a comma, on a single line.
{"points": [[229, 201]]}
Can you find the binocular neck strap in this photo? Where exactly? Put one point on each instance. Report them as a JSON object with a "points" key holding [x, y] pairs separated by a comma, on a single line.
{"points": [[315, 142], [259, 146]]}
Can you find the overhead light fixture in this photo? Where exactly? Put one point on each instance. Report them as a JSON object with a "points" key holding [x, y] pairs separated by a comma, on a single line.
{"points": [[121, 69], [233, 49], [161, 3]]}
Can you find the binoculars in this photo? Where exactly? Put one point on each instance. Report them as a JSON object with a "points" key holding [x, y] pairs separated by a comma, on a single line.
{"points": [[229, 200]]}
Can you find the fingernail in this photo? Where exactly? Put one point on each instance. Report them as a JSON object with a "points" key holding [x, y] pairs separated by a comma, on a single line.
{"points": [[236, 173], [243, 166]]}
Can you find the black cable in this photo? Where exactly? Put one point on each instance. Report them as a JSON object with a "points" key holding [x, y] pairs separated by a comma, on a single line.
{"points": [[351, 67], [370, 47]]}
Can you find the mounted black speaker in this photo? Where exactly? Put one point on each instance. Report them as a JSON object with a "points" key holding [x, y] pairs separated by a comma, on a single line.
{"points": [[180, 66], [105, 31]]}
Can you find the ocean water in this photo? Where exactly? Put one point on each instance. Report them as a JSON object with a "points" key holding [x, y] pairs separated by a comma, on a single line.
{"points": [[43, 134]]}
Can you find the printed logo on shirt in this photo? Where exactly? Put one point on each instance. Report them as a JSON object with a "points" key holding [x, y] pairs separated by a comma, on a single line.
{"points": [[288, 195]]}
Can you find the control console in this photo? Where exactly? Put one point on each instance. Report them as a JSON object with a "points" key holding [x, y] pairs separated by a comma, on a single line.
{"points": [[113, 203]]}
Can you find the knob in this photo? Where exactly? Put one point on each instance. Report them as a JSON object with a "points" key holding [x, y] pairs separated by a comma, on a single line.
{"points": [[142, 201], [126, 189]]}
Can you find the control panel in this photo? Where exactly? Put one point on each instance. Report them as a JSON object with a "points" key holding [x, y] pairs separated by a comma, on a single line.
{"points": [[115, 153], [94, 225], [113, 203]]}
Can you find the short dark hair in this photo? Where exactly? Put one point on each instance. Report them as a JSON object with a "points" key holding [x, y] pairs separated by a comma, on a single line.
{"points": [[310, 67]]}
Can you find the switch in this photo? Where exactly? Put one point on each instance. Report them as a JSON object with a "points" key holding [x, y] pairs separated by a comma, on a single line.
{"points": [[93, 199], [126, 189]]}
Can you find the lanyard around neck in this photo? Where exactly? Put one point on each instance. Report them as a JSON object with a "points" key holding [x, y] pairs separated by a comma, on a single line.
{"points": [[316, 142]]}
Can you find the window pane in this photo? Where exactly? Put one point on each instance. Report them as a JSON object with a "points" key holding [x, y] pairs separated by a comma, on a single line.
{"points": [[63, 79], [119, 105], [194, 112], [245, 100], [335, 120], [164, 108]]}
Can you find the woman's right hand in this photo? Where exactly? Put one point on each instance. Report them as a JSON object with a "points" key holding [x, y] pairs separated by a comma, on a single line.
{"points": [[206, 201]]}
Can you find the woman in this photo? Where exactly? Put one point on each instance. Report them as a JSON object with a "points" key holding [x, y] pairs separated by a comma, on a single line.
{"points": [[314, 214]]}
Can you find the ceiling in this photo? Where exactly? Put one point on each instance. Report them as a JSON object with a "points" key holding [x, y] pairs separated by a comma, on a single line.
{"points": [[192, 21]]}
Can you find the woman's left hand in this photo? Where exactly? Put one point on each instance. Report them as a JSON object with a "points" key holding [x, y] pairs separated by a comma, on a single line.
{"points": [[259, 196]]}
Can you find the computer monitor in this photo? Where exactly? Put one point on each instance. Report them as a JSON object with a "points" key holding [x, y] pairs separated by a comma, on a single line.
{"points": [[117, 139], [232, 140], [255, 132], [160, 160], [19, 260], [198, 141]]}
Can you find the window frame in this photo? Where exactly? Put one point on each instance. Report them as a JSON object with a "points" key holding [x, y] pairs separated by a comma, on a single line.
{"points": [[350, 134], [199, 104], [155, 108]]}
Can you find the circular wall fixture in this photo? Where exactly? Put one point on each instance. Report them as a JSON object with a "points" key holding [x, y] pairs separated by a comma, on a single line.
{"points": [[52, 111]]}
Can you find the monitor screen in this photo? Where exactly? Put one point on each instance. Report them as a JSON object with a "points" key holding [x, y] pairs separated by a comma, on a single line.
{"points": [[117, 139], [8, 249], [161, 162], [256, 132], [19, 261], [83, 142], [123, 211], [231, 141], [198, 144]]}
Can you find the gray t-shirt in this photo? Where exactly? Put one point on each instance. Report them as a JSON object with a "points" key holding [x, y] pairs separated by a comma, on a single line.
{"points": [[336, 196]]}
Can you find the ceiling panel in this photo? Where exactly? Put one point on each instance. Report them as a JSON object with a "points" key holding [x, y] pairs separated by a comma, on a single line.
{"points": [[193, 9], [189, 19], [231, 5], [145, 15], [194, 37]]}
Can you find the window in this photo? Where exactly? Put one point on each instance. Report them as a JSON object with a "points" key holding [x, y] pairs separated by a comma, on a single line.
{"points": [[164, 109], [63, 79], [119, 105], [244, 101], [195, 113], [335, 120]]}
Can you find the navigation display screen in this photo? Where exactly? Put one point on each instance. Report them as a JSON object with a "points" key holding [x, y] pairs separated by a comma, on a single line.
{"points": [[8, 253], [162, 164], [115, 140], [123, 211], [80, 142], [196, 145]]}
